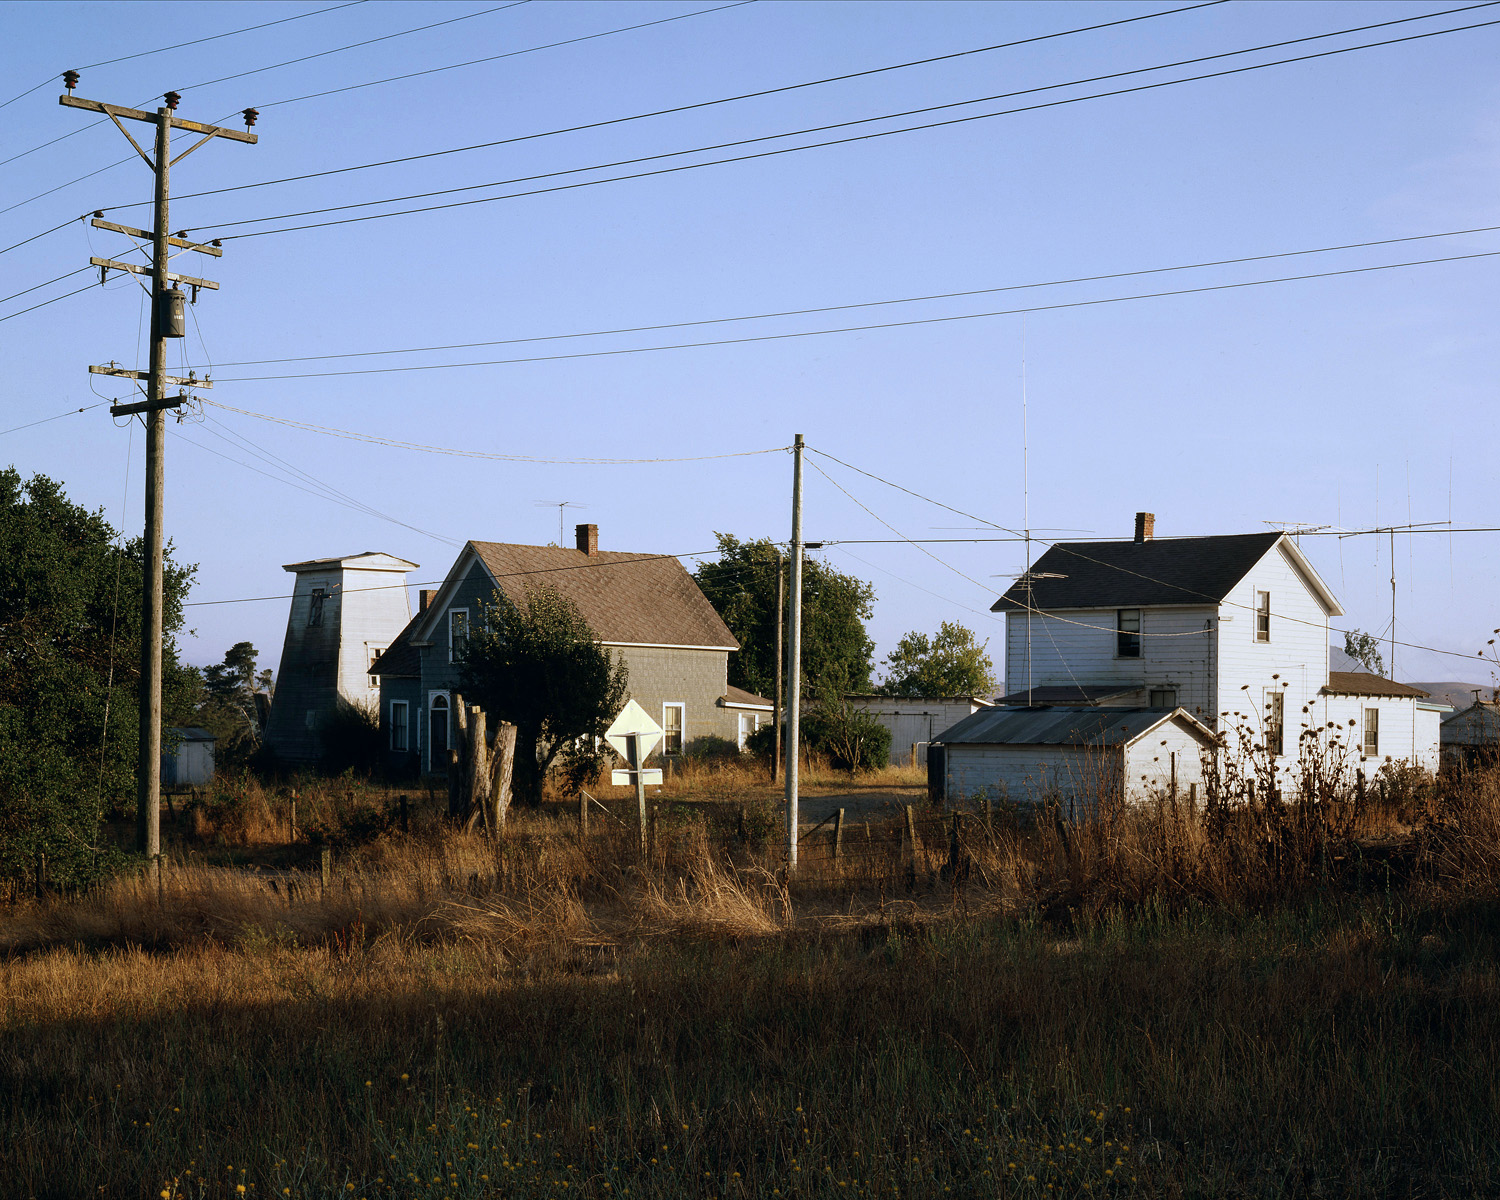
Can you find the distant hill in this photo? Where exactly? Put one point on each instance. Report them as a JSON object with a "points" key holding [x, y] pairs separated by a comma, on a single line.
{"points": [[1460, 695]]}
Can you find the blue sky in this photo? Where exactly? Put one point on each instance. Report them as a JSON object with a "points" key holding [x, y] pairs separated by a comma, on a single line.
{"points": [[1217, 410]]}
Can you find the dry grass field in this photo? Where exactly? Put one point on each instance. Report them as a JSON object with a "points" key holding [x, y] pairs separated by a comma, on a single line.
{"points": [[1282, 1002]]}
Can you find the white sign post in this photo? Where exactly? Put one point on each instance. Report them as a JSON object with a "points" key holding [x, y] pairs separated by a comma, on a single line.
{"points": [[634, 734]]}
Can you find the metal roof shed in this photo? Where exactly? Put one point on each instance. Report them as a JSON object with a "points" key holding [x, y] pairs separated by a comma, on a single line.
{"points": [[1076, 756]]}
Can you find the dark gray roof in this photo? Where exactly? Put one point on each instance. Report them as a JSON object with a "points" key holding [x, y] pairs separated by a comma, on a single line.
{"points": [[400, 660], [1363, 683], [1198, 570], [193, 733], [1071, 693], [1043, 726]]}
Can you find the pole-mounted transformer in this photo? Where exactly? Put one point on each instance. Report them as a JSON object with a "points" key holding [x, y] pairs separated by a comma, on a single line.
{"points": [[172, 318]]}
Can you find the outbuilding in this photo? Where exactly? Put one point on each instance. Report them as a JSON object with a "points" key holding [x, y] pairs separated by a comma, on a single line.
{"points": [[1073, 756], [190, 763], [1471, 738]]}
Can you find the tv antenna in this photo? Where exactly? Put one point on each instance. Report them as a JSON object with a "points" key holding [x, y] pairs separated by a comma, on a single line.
{"points": [[562, 507]]}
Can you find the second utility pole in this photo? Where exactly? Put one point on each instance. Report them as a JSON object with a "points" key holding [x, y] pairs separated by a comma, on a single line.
{"points": [[794, 664]]}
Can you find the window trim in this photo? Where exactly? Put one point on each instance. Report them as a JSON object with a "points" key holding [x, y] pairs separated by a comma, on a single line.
{"points": [[1275, 703], [404, 725], [1153, 691], [1121, 633], [457, 612], [317, 601], [1371, 724], [1262, 617], [681, 707]]}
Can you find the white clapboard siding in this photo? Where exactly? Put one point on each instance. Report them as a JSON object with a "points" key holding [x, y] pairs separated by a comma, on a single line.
{"points": [[1077, 646]]}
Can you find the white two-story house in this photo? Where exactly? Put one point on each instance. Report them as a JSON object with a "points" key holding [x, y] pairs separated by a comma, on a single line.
{"points": [[1233, 630]]}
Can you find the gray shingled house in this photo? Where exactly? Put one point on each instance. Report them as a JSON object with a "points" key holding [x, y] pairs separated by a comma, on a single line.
{"points": [[643, 607]]}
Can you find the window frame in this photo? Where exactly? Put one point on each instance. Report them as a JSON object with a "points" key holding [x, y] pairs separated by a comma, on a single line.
{"points": [[1124, 648], [403, 726], [753, 720], [1370, 747], [1262, 617], [455, 645], [667, 731], [1159, 691], [1275, 719], [317, 600]]}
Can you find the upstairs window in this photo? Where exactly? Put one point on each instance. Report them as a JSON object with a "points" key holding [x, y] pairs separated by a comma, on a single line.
{"points": [[1262, 616], [458, 633], [1372, 733], [1128, 633], [315, 606], [1275, 725]]}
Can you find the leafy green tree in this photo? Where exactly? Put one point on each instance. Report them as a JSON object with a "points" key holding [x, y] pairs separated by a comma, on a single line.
{"points": [[228, 705], [539, 666], [836, 651], [1365, 650], [70, 627], [952, 662]]}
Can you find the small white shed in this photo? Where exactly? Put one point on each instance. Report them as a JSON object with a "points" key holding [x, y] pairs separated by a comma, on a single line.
{"points": [[1075, 756], [191, 764], [915, 720]]}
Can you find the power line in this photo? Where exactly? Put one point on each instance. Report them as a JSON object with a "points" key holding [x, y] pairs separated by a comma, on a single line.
{"points": [[791, 133], [44, 303], [799, 312], [915, 321], [354, 46], [321, 54], [35, 286], [58, 417], [398, 444], [588, 37], [109, 62], [45, 232], [681, 108]]}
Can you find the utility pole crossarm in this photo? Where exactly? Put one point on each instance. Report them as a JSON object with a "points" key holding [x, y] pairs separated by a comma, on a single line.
{"points": [[135, 114], [147, 236], [127, 373], [191, 280]]}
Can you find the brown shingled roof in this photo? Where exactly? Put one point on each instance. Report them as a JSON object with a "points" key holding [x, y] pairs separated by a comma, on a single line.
{"points": [[642, 599], [1362, 683]]}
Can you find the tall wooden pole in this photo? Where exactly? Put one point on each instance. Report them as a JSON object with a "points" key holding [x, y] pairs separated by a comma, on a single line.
{"points": [[780, 664], [148, 772], [794, 664]]}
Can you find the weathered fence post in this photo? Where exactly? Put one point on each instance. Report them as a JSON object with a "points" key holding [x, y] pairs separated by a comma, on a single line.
{"points": [[915, 845], [583, 813], [291, 820], [325, 869], [477, 778], [989, 816], [502, 770], [838, 837]]}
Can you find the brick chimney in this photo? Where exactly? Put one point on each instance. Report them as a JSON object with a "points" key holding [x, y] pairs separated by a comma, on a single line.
{"points": [[1145, 526], [424, 598], [587, 537]]}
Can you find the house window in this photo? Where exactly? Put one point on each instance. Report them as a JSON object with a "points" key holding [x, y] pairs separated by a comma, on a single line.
{"points": [[1162, 698], [1372, 733], [1128, 635], [437, 742], [398, 726], [749, 723], [1262, 616], [374, 652], [458, 632], [1275, 742], [315, 607], [671, 725]]}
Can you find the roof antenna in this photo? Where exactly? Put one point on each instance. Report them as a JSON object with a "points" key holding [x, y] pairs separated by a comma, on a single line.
{"points": [[562, 506]]}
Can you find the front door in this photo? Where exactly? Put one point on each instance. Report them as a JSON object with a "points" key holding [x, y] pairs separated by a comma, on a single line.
{"points": [[437, 733]]}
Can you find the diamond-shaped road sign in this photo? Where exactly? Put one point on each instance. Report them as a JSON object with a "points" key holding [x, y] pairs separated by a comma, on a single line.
{"points": [[634, 720]]}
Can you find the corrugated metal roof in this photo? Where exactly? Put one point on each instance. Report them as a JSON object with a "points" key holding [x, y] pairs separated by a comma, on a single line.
{"points": [[1363, 683], [1041, 726], [1199, 570]]}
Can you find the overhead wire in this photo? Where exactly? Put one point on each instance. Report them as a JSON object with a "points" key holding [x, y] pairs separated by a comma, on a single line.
{"points": [[57, 417], [44, 303], [827, 308], [109, 62], [701, 104], [45, 232], [781, 150], [35, 286], [909, 323], [274, 66]]}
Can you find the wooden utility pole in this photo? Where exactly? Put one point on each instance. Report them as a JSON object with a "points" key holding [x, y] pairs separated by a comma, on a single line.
{"points": [[166, 322], [794, 664], [780, 663]]}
